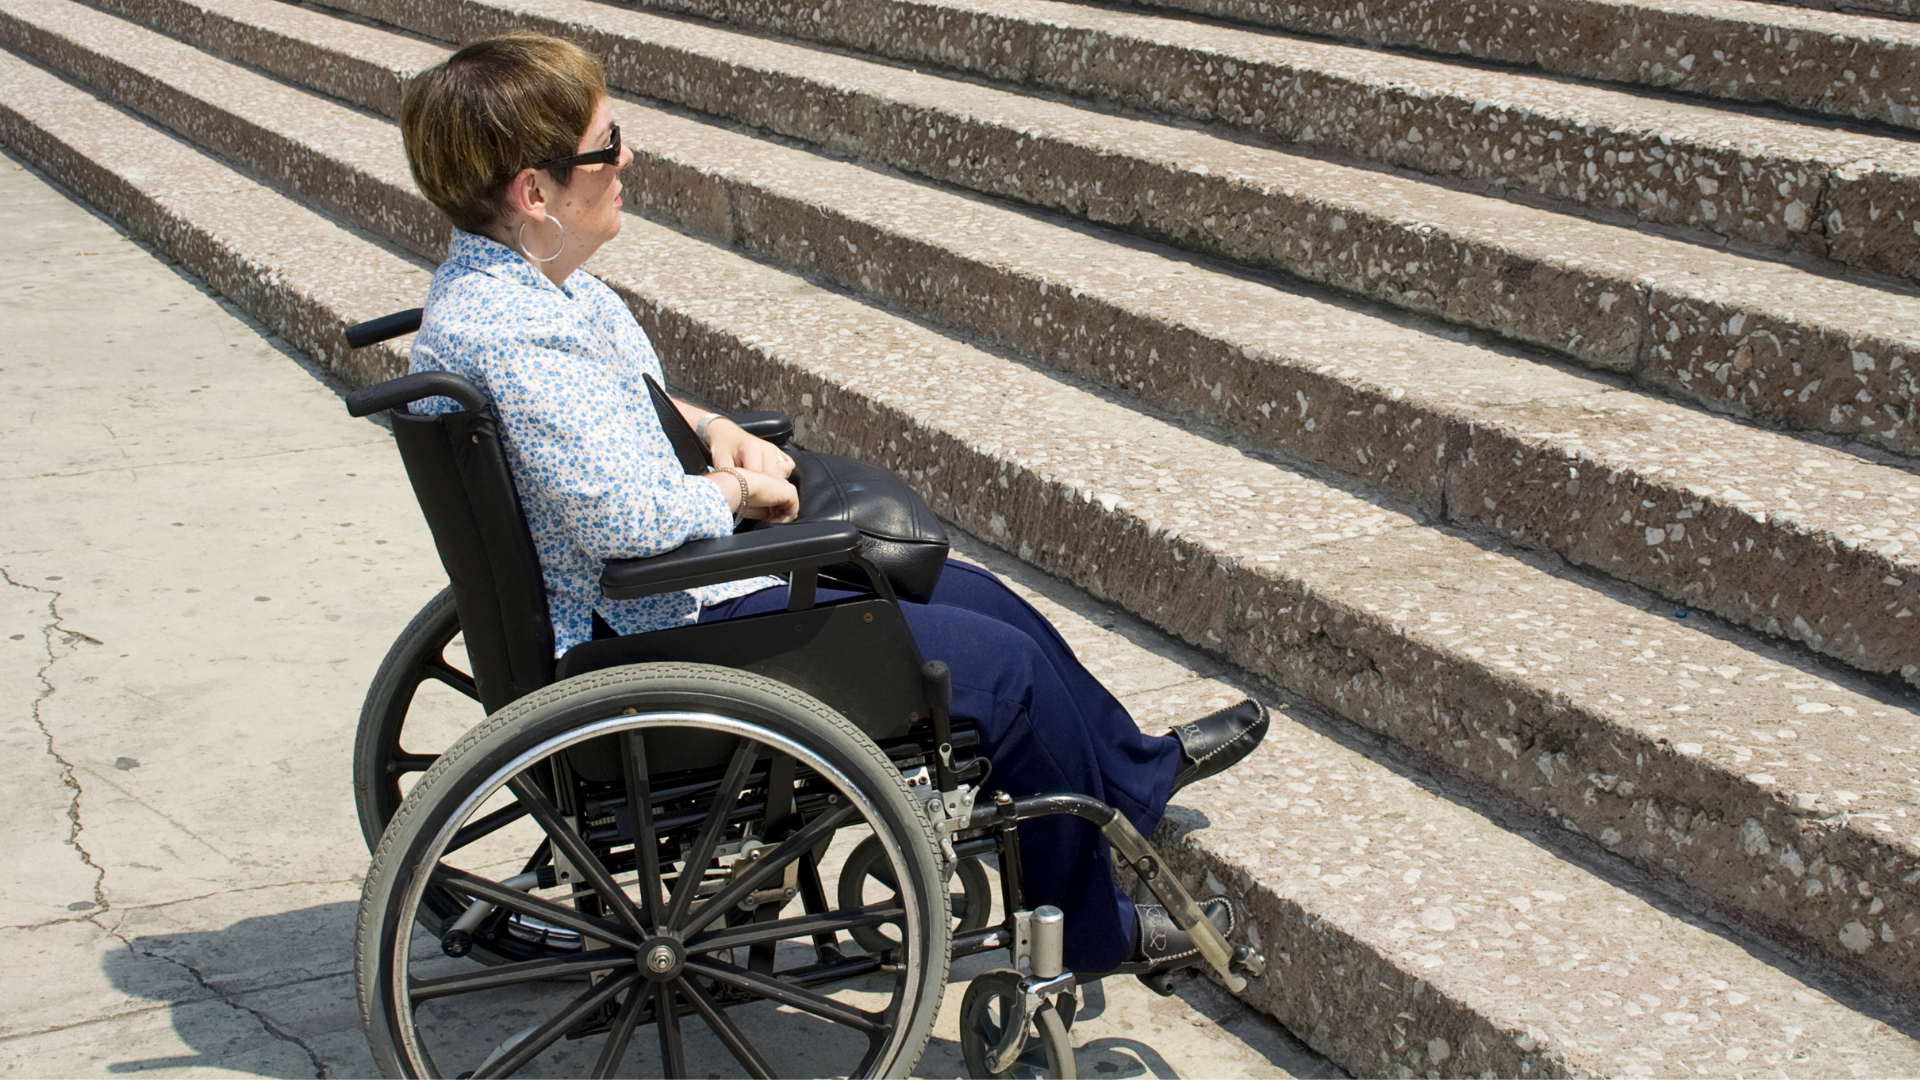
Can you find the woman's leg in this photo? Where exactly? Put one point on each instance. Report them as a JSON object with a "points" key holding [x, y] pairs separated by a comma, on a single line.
{"points": [[1046, 725], [1139, 767]]}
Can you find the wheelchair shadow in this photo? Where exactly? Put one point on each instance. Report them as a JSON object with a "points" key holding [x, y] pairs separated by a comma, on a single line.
{"points": [[273, 995], [1113, 1056], [267, 995]]}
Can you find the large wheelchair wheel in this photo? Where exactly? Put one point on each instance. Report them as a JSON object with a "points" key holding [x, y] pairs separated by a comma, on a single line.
{"points": [[661, 819], [425, 653]]}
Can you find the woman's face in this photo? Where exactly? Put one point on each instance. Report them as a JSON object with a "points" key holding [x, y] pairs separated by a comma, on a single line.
{"points": [[589, 207]]}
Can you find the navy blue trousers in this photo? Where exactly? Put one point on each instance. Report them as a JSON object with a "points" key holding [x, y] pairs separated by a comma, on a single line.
{"points": [[1047, 725]]}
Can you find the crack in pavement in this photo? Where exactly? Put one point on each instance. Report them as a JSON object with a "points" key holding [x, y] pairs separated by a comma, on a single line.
{"points": [[126, 910], [266, 1023], [68, 777], [35, 1032]]}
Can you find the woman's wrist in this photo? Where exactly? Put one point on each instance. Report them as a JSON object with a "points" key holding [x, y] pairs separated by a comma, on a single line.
{"points": [[700, 429], [740, 511]]}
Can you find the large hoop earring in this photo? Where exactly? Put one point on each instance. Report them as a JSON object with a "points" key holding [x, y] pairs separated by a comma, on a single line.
{"points": [[522, 234]]}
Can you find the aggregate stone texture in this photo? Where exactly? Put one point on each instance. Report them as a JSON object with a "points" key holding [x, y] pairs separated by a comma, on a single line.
{"points": [[1609, 478], [1507, 959], [366, 66], [1778, 1006], [1450, 648], [1749, 336], [242, 969], [1886, 8], [176, 679], [235, 112], [207, 218], [1825, 61], [1588, 978], [1244, 604], [1606, 478], [1769, 182]]}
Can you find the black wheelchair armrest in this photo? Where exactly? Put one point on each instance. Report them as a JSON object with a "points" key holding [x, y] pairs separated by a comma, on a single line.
{"points": [[408, 389], [729, 558], [774, 427]]}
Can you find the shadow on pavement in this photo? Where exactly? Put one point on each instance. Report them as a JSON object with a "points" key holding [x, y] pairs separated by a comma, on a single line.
{"points": [[284, 978]]}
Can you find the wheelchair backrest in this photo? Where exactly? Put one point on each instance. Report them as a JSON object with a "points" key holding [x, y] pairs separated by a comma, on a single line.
{"points": [[458, 468]]}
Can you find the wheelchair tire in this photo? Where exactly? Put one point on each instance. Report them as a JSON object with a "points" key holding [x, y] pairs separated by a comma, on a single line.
{"points": [[983, 1011], [379, 761], [424, 1011]]}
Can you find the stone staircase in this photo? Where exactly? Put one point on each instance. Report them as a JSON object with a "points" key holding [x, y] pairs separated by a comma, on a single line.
{"points": [[1531, 400]]}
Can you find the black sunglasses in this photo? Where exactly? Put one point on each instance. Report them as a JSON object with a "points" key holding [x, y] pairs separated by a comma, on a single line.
{"points": [[608, 156]]}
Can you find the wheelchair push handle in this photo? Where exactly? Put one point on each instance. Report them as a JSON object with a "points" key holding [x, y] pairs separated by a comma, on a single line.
{"points": [[384, 328], [411, 388]]}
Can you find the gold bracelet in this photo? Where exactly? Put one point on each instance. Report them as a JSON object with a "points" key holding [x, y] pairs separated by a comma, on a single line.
{"points": [[740, 514]]}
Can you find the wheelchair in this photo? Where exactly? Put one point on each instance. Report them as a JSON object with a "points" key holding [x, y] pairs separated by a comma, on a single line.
{"points": [[645, 833]]}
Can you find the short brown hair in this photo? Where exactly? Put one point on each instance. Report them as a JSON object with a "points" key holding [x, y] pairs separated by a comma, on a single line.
{"points": [[493, 108]]}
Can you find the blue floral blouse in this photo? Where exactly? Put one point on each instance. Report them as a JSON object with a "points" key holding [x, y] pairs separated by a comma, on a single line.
{"points": [[597, 478]]}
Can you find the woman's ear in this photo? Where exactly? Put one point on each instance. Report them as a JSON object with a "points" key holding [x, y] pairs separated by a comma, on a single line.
{"points": [[525, 196]]}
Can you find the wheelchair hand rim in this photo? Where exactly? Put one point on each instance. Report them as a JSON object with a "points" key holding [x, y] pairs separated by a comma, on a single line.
{"points": [[422, 875]]}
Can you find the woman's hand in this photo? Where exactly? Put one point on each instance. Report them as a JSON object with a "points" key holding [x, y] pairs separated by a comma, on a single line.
{"points": [[732, 447], [768, 498]]}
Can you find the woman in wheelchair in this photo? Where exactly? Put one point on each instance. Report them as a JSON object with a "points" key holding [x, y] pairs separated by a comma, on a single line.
{"points": [[515, 139]]}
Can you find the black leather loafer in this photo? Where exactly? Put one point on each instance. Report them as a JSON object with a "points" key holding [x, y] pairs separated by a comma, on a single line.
{"points": [[1159, 942], [1213, 743]]}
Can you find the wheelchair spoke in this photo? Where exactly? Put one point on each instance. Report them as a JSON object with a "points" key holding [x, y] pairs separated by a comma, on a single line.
{"points": [[646, 842], [438, 668], [805, 1000], [526, 904], [723, 1026], [804, 926], [400, 763], [548, 1033], [512, 974], [487, 825], [576, 850], [666, 1012], [615, 1048], [790, 849], [694, 868]]}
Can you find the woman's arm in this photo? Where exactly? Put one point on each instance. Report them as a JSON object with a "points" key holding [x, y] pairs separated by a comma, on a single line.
{"points": [[593, 457], [733, 447], [765, 498]]}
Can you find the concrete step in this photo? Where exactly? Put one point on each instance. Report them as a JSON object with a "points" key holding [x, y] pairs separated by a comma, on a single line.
{"points": [[1409, 933], [1765, 181], [1793, 539], [1744, 335], [247, 250], [1847, 62], [1890, 9], [1577, 700], [365, 65]]}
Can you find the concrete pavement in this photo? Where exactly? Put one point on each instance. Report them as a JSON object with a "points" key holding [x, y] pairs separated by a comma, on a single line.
{"points": [[204, 559]]}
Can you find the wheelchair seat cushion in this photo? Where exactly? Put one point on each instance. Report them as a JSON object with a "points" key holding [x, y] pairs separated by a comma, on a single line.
{"points": [[905, 541]]}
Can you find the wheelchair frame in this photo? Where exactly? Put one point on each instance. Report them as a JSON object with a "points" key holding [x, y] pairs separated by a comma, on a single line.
{"points": [[853, 659]]}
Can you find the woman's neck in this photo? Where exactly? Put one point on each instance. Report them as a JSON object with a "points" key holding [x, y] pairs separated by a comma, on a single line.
{"points": [[557, 269]]}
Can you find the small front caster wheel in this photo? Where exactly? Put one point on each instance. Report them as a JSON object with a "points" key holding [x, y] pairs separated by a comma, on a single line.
{"points": [[991, 999]]}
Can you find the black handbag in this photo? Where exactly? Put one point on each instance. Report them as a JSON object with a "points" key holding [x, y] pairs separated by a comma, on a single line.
{"points": [[905, 541]]}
